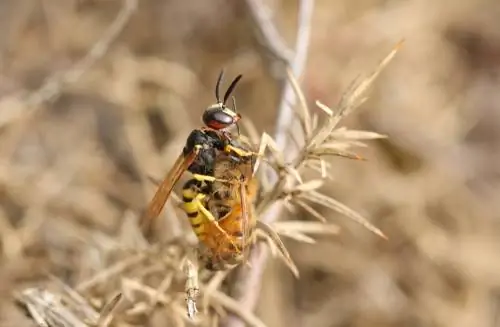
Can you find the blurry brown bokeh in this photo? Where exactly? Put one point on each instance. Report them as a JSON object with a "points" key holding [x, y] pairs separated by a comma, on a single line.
{"points": [[71, 168]]}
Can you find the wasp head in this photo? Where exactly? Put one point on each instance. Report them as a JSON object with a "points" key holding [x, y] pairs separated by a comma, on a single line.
{"points": [[219, 116]]}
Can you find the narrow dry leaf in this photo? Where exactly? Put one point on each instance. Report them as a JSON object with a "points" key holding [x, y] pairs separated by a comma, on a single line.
{"points": [[345, 134], [272, 247], [314, 123], [325, 108], [305, 117], [342, 145], [299, 237], [106, 314], [318, 164], [306, 227], [307, 186], [276, 239], [321, 151], [331, 203], [309, 209], [323, 167], [269, 142], [294, 173]]}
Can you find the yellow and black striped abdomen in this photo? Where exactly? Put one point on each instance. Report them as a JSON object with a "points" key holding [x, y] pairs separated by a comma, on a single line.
{"points": [[191, 189]]}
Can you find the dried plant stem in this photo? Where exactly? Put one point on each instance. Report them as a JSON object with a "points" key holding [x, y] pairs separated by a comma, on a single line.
{"points": [[250, 282]]}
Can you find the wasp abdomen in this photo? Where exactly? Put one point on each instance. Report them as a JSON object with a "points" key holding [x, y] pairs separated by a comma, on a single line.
{"points": [[190, 191]]}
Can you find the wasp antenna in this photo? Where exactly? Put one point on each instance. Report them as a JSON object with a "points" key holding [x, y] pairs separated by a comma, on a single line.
{"points": [[234, 104], [231, 88], [217, 86], [234, 109]]}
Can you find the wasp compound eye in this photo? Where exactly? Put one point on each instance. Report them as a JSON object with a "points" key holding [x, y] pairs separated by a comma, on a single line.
{"points": [[219, 119]]}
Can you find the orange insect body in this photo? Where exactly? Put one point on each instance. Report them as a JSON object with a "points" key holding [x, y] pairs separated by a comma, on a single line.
{"points": [[228, 234], [238, 223]]}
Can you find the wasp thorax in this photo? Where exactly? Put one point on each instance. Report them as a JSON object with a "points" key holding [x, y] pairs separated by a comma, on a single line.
{"points": [[220, 117]]}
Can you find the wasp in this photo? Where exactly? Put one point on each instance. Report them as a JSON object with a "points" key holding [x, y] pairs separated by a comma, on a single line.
{"points": [[200, 151]]}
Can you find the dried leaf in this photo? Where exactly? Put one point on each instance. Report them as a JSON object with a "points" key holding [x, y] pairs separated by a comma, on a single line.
{"points": [[342, 145], [309, 209], [306, 227], [331, 203], [345, 134], [308, 186], [276, 239], [304, 115], [299, 237], [272, 247], [106, 314], [321, 151], [266, 141], [293, 172], [315, 120], [325, 108]]}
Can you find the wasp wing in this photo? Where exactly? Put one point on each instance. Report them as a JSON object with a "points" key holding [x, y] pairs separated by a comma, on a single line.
{"points": [[158, 201], [247, 192], [245, 219]]}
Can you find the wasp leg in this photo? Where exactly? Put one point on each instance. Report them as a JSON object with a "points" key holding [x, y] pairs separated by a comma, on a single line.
{"points": [[206, 178], [240, 152], [211, 217]]}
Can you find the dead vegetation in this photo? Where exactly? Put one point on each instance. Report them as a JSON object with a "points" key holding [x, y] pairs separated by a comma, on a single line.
{"points": [[77, 149]]}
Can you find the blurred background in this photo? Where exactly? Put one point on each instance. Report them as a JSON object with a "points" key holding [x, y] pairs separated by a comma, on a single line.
{"points": [[74, 166]]}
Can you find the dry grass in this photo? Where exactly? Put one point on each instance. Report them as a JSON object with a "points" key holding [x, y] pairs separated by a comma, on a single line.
{"points": [[74, 169]]}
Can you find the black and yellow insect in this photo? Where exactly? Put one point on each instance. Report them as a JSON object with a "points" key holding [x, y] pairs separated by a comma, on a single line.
{"points": [[199, 153]]}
